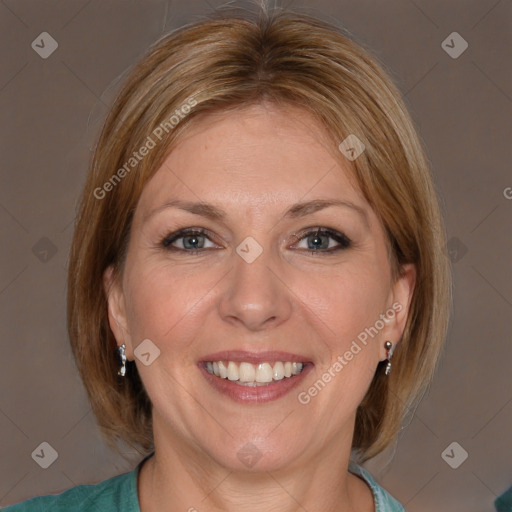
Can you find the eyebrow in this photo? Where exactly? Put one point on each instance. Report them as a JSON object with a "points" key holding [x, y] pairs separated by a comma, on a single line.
{"points": [[296, 211]]}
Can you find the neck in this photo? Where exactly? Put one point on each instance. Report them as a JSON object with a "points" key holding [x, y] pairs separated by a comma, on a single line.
{"points": [[178, 477]]}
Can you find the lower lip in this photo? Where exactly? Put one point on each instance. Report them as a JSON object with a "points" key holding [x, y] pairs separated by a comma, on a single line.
{"points": [[257, 394]]}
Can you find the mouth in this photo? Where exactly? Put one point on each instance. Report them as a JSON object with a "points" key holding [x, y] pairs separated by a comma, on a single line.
{"points": [[248, 374], [249, 377]]}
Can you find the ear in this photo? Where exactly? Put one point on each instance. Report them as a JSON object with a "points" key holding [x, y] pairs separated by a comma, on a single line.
{"points": [[117, 310], [398, 306]]}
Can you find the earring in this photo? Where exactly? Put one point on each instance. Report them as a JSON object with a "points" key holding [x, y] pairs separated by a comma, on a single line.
{"points": [[122, 355], [389, 354]]}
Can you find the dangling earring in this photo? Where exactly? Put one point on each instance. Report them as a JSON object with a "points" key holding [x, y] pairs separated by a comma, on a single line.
{"points": [[122, 355], [389, 354]]}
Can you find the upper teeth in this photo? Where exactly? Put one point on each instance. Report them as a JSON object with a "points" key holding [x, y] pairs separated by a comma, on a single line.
{"points": [[249, 373]]}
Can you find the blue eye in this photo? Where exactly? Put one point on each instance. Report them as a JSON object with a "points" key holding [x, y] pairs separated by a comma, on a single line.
{"points": [[193, 240], [318, 241]]}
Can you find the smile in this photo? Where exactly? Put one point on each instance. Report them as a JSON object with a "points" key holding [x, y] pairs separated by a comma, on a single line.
{"points": [[248, 374]]}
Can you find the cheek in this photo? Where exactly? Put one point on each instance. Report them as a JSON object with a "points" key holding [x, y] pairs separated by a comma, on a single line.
{"points": [[347, 302], [344, 306], [167, 305], [162, 301]]}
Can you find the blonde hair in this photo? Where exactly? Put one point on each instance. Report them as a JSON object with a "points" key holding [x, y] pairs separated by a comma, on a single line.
{"points": [[231, 60]]}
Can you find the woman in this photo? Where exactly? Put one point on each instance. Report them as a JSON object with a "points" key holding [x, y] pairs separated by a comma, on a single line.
{"points": [[260, 243]]}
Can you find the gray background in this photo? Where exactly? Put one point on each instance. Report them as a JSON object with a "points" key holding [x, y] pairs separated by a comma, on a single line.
{"points": [[51, 110]]}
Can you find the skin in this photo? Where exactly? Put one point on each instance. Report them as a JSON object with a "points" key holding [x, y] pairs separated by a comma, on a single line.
{"points": [[254, 163]]}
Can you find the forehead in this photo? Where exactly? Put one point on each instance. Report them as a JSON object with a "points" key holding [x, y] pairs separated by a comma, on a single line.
{"points": [[260, 155]]}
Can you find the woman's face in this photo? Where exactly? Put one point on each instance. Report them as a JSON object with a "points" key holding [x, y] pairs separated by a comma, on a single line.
{"points": [[259, 284]]}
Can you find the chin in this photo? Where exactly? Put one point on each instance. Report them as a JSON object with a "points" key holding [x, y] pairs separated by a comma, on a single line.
{"points": [[256, 453]]}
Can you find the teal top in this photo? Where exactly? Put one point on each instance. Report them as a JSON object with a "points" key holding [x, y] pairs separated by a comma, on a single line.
{"points": [[503, 503], [119, 494]]}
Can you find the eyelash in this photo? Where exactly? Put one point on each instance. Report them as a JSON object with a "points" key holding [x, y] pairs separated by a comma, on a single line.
{"points": [[341, 238]]}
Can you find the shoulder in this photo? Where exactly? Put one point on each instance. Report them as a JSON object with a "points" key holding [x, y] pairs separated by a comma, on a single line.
{"points": [[116, 493], [384, 502]]}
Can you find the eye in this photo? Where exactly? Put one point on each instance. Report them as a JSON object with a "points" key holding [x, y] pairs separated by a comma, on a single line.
{"points": [[194, 241], [317, 240], [190, 240]]}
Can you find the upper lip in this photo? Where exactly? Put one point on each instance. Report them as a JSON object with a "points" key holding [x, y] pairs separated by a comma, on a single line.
{"points": [[240, 356]]}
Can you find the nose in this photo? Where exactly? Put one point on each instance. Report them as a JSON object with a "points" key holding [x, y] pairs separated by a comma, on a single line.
{"points": [[256, 296]]}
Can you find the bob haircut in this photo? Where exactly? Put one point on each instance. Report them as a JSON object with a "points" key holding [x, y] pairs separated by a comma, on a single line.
{"points": [[229, 60]]}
